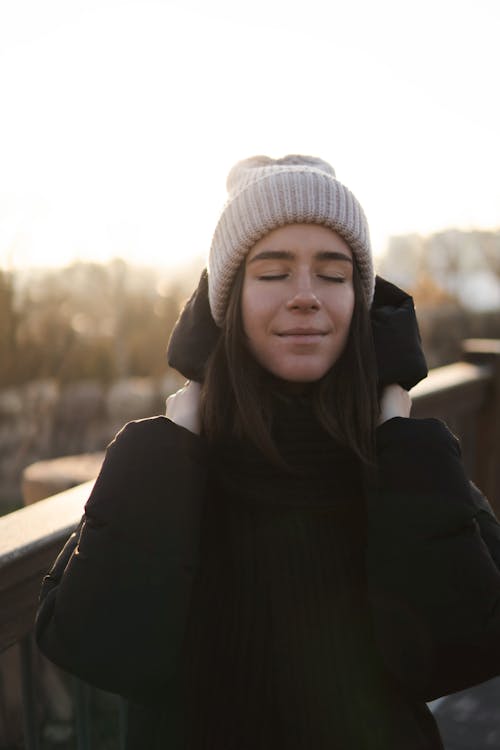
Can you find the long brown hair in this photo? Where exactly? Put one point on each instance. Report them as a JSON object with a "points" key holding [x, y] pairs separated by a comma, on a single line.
{"points": [[236, 398]]}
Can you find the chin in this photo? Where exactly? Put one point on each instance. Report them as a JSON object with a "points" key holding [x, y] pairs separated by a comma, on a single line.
{"points": [[300, 375], [300, 380]]}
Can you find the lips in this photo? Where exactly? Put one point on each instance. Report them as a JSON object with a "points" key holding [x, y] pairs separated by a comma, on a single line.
{"points": [[302, 337], [297, 332]]}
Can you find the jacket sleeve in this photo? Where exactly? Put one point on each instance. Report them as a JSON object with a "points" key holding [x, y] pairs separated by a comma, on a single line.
{"points": [[489, 526], [433, 582], [113, 608]]}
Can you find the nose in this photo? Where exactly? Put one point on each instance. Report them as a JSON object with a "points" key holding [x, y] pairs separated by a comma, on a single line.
{"points": [[304, 298]]}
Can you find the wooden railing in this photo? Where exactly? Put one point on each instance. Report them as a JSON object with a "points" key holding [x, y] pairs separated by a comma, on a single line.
{"points": [[30, 540], [465, 394]]}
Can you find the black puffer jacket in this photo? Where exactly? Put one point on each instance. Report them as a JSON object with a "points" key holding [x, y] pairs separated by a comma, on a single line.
{"points": [[430, 643], [114, 607]]}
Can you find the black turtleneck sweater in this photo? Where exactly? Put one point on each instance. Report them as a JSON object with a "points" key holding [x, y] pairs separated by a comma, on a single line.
{"points": [[280, 652]]}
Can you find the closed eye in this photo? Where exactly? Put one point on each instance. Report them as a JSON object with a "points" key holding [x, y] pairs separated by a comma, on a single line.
{"points": [[335, 279], [275, 277]]}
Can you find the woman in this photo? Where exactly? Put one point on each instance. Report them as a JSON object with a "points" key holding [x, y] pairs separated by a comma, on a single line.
{"points": [[286, 560]]}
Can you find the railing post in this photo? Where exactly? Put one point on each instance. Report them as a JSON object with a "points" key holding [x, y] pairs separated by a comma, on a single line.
{"points": [[487, 351], [29, 697], [122, 721], [82, 693]]}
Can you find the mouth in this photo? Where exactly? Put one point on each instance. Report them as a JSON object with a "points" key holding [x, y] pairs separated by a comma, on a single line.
{"points": [[299, 332], [302, 336]]}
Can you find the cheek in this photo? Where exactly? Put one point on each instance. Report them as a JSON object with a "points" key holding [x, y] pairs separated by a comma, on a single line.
{"points": [[257, 315], [256, 309], [247, 312], [341, 308], [250, 316], [349, 311]]}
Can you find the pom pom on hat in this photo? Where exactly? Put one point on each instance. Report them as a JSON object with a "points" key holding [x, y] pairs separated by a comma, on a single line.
{"points": [[264, 194], [242, 170]]}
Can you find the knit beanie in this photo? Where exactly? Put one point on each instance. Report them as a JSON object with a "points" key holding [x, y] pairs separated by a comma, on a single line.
{"points": [[264, 194]]}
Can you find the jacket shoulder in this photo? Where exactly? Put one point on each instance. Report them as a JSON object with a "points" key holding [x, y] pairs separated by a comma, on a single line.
{"points": [[154, 437], [150, 428], [147, 461]]}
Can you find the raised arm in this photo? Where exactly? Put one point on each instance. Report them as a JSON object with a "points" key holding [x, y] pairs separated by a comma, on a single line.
{"points": [[434, 585], [113, 607]]}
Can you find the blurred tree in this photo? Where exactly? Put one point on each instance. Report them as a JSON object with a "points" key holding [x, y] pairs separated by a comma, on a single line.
{"points": [[491, 252], [8, 324], [86, 321], [428, 293]]}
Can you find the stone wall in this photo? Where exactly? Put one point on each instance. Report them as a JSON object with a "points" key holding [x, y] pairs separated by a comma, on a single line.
{"points": [[42, 420]]}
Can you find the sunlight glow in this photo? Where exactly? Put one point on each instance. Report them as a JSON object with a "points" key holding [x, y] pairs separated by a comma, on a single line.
{"points": [[122, 119]]}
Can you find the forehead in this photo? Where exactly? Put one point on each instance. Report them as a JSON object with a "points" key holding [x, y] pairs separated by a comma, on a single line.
{"points": [[301, 238]]}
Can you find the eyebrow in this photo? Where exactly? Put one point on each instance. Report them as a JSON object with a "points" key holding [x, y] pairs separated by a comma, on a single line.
{"points": [[289, 255]]}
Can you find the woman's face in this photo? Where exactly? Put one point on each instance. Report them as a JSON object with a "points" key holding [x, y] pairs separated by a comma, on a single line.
{"points": [[298, 300]]}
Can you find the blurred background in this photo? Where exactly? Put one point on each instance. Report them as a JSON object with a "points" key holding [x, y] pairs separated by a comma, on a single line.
{"points": [[119, 122]]}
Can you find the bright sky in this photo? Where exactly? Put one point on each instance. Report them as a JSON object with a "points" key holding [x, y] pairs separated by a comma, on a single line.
{"points": [[121, 118]]}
